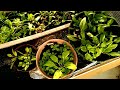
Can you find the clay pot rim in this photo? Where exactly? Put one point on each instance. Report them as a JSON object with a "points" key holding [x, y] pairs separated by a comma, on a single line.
{"points": [[41, 48], [20, 46]]}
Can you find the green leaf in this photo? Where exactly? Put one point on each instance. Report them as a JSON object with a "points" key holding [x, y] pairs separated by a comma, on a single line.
{"points": [[87, 13], [71, 37], [21, 57], [95, 40], [14, 52], [114, 54], [92, 50], [109, 42], [49, 64], [30, 16], [100, 17], [103, 44], [8, 22], [57, 74], [88, 46], [83, 41], [83, 24], [99, 51], [110, 22], [102, 37], [50, 18], [117, 40], [83, 48], [70, 65], [13, 61], [27, 49], [20, 64], [17, 21], [100, 29], [93, 29], [5, 28], [33, 59], [90, 34], [37, 18], [110, 48], [88, 57], [9, 55], [51, 71], [63, 69], [30, 26], [76, 22], [65, 54], [26, 67], [54, 58], [23, 65]]}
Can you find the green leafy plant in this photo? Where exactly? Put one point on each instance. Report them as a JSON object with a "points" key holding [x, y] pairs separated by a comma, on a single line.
{"points": [[24, 59], [57, 60], [95, 33], [16, 24]]}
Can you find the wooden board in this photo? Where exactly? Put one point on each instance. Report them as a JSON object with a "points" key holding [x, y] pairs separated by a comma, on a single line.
{"points": [[98, 69], [35, 36]]}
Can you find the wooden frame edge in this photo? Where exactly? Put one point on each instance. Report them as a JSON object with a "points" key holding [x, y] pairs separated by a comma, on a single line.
{"points": [[98, 69], [35, 36]]}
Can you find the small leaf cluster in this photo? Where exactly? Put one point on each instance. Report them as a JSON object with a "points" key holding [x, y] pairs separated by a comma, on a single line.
{"points": [[57, 60], [24, 59], [94, 30]]}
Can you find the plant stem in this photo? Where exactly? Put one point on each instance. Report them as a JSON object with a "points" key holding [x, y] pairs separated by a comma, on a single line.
{"points": [[20, 52]]}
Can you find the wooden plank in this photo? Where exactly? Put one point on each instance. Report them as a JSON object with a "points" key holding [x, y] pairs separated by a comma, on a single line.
{"points": [[98, 69], [35, 36]]}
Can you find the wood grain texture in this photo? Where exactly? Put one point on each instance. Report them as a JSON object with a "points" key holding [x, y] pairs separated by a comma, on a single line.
{"points": [[98, 69], [35, 36]]}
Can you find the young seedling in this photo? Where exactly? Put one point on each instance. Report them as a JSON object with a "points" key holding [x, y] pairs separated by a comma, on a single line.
{"points": [[24, 59]]}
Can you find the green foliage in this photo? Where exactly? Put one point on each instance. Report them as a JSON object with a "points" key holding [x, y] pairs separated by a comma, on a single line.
{"points": [[25, 59], [57, 74], [18, 24], [72, 37], [96, 35], [57, 60]]}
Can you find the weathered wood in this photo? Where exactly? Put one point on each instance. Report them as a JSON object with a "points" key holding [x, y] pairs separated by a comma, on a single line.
{"points": [[35, 36], [98, 69]]}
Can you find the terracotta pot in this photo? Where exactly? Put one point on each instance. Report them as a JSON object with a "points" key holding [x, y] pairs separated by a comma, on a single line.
{"points": [[41, 48], [22, 47]]}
